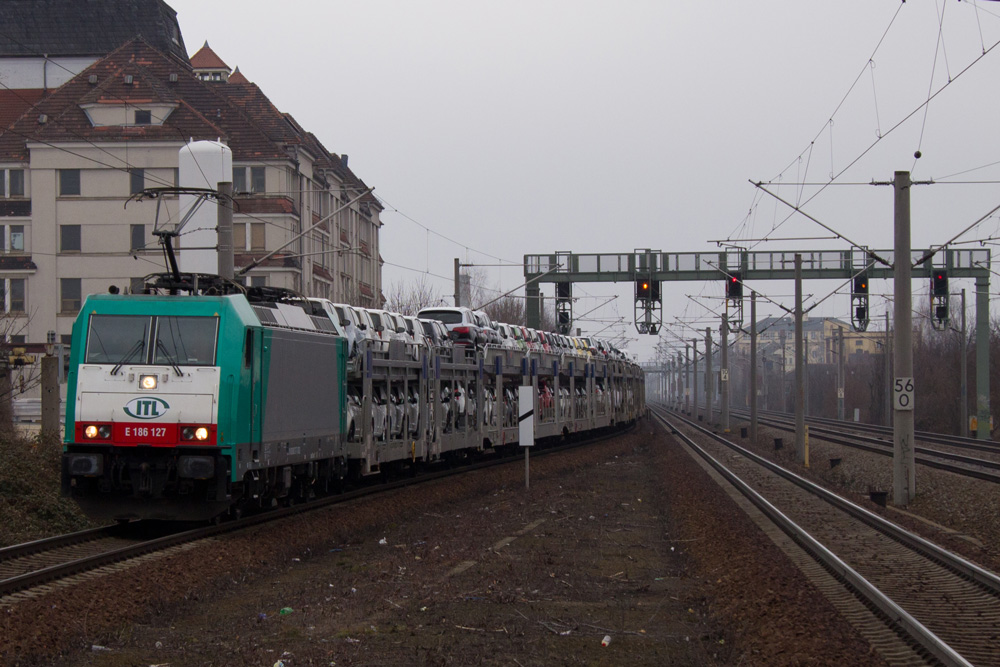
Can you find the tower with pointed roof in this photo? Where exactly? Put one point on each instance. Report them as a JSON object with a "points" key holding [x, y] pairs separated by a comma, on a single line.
{"points": [[208, 66]]}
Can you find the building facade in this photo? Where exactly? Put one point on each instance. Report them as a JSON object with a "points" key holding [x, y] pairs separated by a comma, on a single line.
{"points": [[74, 160]]}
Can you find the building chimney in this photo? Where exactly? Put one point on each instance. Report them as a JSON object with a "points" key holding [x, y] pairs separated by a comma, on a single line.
{"points": [[343, 159]]}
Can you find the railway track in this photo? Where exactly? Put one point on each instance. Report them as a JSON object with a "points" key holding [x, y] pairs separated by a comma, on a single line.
{"points": [[29, 569], [984, 468], [920, 603]]}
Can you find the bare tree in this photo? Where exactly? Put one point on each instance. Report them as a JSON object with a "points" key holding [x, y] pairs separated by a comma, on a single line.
{"points": [[18, 373], [409, 298]]}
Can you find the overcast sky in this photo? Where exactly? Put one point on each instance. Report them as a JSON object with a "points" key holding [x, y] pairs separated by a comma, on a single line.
{"points": [[515, 128]]}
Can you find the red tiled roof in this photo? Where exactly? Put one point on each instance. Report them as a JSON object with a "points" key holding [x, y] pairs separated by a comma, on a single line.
{"points": [[206, 58], [202, 113], [13, 103], [237, 77]]}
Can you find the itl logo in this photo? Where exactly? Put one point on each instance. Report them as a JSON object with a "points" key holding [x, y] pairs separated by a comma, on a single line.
{"points": [[146, 408]]}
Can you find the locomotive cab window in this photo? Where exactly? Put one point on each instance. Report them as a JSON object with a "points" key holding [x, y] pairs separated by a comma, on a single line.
{"points": [[186, 341], [114, 339], [128, 339]]}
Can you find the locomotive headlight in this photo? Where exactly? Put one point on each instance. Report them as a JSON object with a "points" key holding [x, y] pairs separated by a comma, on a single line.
{"points": [[90, 431], [104, 431], [147, 381], [199, 433]]}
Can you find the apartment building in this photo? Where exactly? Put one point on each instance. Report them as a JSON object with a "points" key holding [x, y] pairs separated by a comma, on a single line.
{"points": [[74, 158], [776, 339]]}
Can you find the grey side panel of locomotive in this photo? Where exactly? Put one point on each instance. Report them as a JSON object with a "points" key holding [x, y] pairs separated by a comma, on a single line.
{"points": [[303, 386]]}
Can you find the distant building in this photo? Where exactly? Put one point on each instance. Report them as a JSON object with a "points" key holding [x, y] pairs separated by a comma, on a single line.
{"points": [[776, 339]]}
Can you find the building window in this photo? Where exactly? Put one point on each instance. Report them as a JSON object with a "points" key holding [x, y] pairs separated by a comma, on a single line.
{"points": [[69, 182], [12, 295], [256, 238], [143, 117], [137, 180], [69, 238], [11, 238], [257, 182], [70, 295], [258, 281], [11, 182], [256, 235], [16, 177], [239, 179], [138, 237]]}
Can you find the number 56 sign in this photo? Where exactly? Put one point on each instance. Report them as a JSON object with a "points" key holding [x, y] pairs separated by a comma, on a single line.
{"points": [[902, 394]]}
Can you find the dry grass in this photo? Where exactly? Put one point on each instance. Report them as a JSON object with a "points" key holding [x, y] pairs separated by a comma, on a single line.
{"points": [[31, 506]]}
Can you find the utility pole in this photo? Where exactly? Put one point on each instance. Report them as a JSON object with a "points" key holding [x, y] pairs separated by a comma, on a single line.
{"points": [[709, 383], [805, 373], [458, 283], [783, 337], [694, 377], [964, 403], [904, 464], [800, 392], [753, 366], [887, 412], [983, 357], [687, 379], [840, 374], [724, 373]]}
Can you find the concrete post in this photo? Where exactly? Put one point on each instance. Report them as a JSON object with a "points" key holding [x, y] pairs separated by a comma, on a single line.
{"points": [[724, 375], [709, 383], [800, 392], [50, 398], [904, 464], [753, 366], [840, 374], [687, 379], [964, 402], [983, 357], [694, 377]]}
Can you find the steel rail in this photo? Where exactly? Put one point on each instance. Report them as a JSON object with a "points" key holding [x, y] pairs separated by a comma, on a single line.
{"points": [[885, 449], [892, 611], [55, 572]]}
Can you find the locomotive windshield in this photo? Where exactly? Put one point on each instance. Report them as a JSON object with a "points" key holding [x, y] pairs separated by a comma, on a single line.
{"points": [[115, 339], [187, 341], [128, 339]]}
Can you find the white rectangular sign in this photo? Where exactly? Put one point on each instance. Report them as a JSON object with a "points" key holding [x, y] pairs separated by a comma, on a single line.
{"points": [[526, 416], [902, 394]]}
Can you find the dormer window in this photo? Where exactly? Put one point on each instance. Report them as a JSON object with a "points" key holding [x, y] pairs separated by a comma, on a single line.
{"points": [[110, 114]]}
